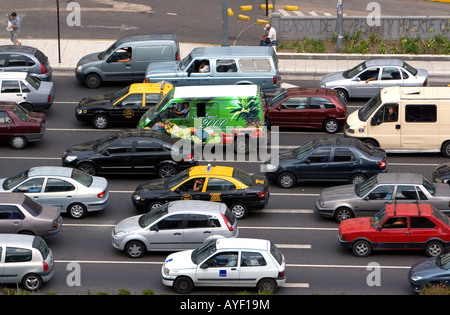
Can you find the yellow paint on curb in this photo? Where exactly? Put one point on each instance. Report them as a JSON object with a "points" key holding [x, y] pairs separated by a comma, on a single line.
{"points": [[445, 1], [230, 12], [291, 8], [262, 22], [263, 6], [243, 17], [246, 8]]}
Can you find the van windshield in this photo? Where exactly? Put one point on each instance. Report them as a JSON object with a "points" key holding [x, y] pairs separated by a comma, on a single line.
{"points": [[368, 108], [107, 52], [185, 62]]}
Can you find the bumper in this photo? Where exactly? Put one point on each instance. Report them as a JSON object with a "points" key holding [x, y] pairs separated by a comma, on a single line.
{"points": [[97, 206], [58, 228], [348, 245], [33, 137], [80, 75], [416, 288], [324, 212]]}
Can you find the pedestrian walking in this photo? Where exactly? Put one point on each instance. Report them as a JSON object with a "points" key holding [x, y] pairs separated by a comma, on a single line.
{"points": [[14, 27]]}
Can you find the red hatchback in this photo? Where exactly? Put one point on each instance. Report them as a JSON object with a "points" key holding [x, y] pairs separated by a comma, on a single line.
{"points": [[314, 108], [19, 126], [398, 226]]}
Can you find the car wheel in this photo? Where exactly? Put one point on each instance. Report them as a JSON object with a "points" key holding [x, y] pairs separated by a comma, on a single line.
{"points": [[343, 93], [342, 214], [76, 210], [167, 170], [155, 205], [183, 285], [357, 178], [88, 168], [267, 285], [100, 121], [32, 282], [362, 248], [135, 249], [239, 210], [446, 149], [331, 125], [93, 81], [286, 180], [27, 106], [371, 142], [18, 142], [434, 249]]}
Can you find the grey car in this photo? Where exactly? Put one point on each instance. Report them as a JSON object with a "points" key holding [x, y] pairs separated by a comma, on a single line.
{"points": [[25, 59], [369, 197], [25, 259], [369, 77], [174, 226], [73, 191], [21, 215]]}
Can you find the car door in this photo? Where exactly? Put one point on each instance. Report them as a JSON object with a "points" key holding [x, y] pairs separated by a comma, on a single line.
{"points": [[375, 200], [342, 164], [423, 229], [394, 233], [7, 126], [320, 108], [10, 219], [386, 128], [222, 190], [58, 192], [32, 188], [117, 158], [11, 92], [197, 229], [390, 76], [315, 166], [366, 83], [147, 155], [253, 266], [221, 269], [19, 63], [114, 70], [129, 109], [167, 233], [193, 76], [186, 190], [292, 112]]}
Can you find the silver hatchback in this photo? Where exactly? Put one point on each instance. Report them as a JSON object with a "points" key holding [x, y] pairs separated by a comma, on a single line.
{"points": [[25, 260], [73, 191], [174, 226]]}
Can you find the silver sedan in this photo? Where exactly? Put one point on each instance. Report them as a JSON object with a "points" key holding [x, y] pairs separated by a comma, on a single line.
{"points": [[72, 191], [369, 77]]}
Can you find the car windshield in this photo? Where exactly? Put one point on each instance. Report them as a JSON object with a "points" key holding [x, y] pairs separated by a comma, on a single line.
{"points": [[444, 261], [34, 82], [32, 207], [174, 180], [103, 143], [354, 71], [119, 94], [368, 108], [185, 62], [13, 181], [277, 99], [201, 253], [154, 215], [442, 217], [82, 177], [276, 253], [20, 112], [304, 150], [243, 177], [378, 218], [410, 68], [363, 188], [429, 186]]}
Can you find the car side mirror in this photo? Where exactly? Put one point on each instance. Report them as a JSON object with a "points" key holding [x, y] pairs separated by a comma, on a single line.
{"points": [[366, 198], [357, 79], [105, 153], [189, 72], [119, 104], [154, 228], [307, 161], [375, 121], [177, 190], [204, 266]]}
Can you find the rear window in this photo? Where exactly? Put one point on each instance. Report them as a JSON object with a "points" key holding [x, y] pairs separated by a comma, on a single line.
{"points": [[442, 217], [276, 253], [32, 207], [41, 246], [243, 177], [254, 65], [34, 82], [230, 216], [41, 57], [82, 177]]}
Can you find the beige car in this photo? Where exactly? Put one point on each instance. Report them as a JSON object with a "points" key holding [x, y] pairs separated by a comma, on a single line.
{"points": [[19, 214]]}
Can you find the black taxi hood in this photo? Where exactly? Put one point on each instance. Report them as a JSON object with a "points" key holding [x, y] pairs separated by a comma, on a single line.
{"points": [[96, 100]]}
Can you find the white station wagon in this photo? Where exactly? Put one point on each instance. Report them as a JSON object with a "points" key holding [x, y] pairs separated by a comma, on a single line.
{"points": [[229, 262]]}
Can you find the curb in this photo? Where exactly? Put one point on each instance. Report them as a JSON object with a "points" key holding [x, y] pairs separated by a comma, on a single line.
{"points": [[337, 56]]}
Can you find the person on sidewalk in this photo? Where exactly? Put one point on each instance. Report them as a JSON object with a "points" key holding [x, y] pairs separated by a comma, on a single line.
{"points": [[269, 39], [14, 28]]}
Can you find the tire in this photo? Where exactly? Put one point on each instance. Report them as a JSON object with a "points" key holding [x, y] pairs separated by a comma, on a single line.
{"points": [[32, 282], [362, 248], [76, 210], [286, 180], [28, 107], [446, 149], [135, 249], [88, 168], [357, 178], [239, 210], [267, 285], [371, 142], [18, 142], [331, 125], [100, 121], [93, 81], [183, 285], [342, 214], [343, 93], [155, 205], [434, 249], [167, 170]]}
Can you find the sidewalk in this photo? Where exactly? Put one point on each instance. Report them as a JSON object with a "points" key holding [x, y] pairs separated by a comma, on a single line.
{"points": [[292, 66]]}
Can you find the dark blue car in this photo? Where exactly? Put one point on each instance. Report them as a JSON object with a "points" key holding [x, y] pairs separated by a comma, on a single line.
{"points": [[327, 160], [435, 270]]}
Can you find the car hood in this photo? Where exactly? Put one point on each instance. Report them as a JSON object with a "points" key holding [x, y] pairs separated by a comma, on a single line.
{"points": [[96, 100], [428, 268], [82, 147], [180, 260], [155, 184], [333, 78], [342, 192], [160, 68], [355, 225], [88, 58], [129, 224]]}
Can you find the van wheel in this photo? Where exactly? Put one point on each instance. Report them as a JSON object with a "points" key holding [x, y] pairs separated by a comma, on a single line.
{"points": [[93, 81], [18, 142], [446, 149], [32, 282], [371, 142], [331, 125], [100, 121], [183, 285]]}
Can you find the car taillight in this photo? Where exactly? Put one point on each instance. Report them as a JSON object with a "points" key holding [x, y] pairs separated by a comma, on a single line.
{"points": [[188, 157], [49, 98], [146, 80], [382, 164], [425, 82], [281, 274], [275, 80], [102, 194], [45, 265], [262, 194], [229, 226], [43, 71]]}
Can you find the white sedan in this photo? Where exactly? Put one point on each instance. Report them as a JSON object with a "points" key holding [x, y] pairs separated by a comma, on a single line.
{"points": [[230, 262]]}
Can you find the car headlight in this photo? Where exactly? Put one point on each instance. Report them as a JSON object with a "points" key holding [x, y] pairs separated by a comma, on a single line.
{"points": [[271, 167], [137, 197], [321, 202], [416, 278], [119, 233], [166, 271], [79, 111], [70, 158], [79, 68]]}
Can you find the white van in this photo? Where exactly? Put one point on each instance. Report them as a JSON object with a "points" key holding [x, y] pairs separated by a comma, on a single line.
{"points": [[404, 119]]}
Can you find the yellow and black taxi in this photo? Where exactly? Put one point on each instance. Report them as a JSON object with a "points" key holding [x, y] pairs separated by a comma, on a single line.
{"points": [[125, 106], [236, 188]]}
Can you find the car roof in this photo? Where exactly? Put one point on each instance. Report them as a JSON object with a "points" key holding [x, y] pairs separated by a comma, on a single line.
{"points": [[232, 51], [17, 198], [144, 37], [214, 170], [336, 142], [9, 74], [400, 178], [384, 62], [19, 240], [408, 209], [148, 133], [18, 49], [242, 243], [310, 91], [154, 88], [196, 205], [50, 170]]}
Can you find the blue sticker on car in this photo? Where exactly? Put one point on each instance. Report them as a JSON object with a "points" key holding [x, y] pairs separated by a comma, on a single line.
{"points": [[222, 273]]}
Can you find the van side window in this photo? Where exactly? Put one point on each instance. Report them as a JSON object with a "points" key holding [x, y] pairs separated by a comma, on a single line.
{"points": [[420, 113], [15, 254], [201, 109], [228, 65], [252, 65]]}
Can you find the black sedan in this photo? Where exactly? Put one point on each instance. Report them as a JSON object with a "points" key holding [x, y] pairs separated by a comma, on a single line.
{"points": [[326, 160], [131, 151], [435, 270], [232, 186]]}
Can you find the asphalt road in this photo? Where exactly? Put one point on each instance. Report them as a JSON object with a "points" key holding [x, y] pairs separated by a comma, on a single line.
{"points": [[316, 262]]}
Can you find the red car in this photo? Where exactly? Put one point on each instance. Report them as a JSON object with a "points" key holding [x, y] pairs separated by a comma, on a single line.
{"points": [[19, 126], [314, 108], [398, 226]]}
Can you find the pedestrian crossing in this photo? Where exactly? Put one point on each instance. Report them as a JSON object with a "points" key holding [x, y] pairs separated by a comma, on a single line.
{"points": [[284, 12]]}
